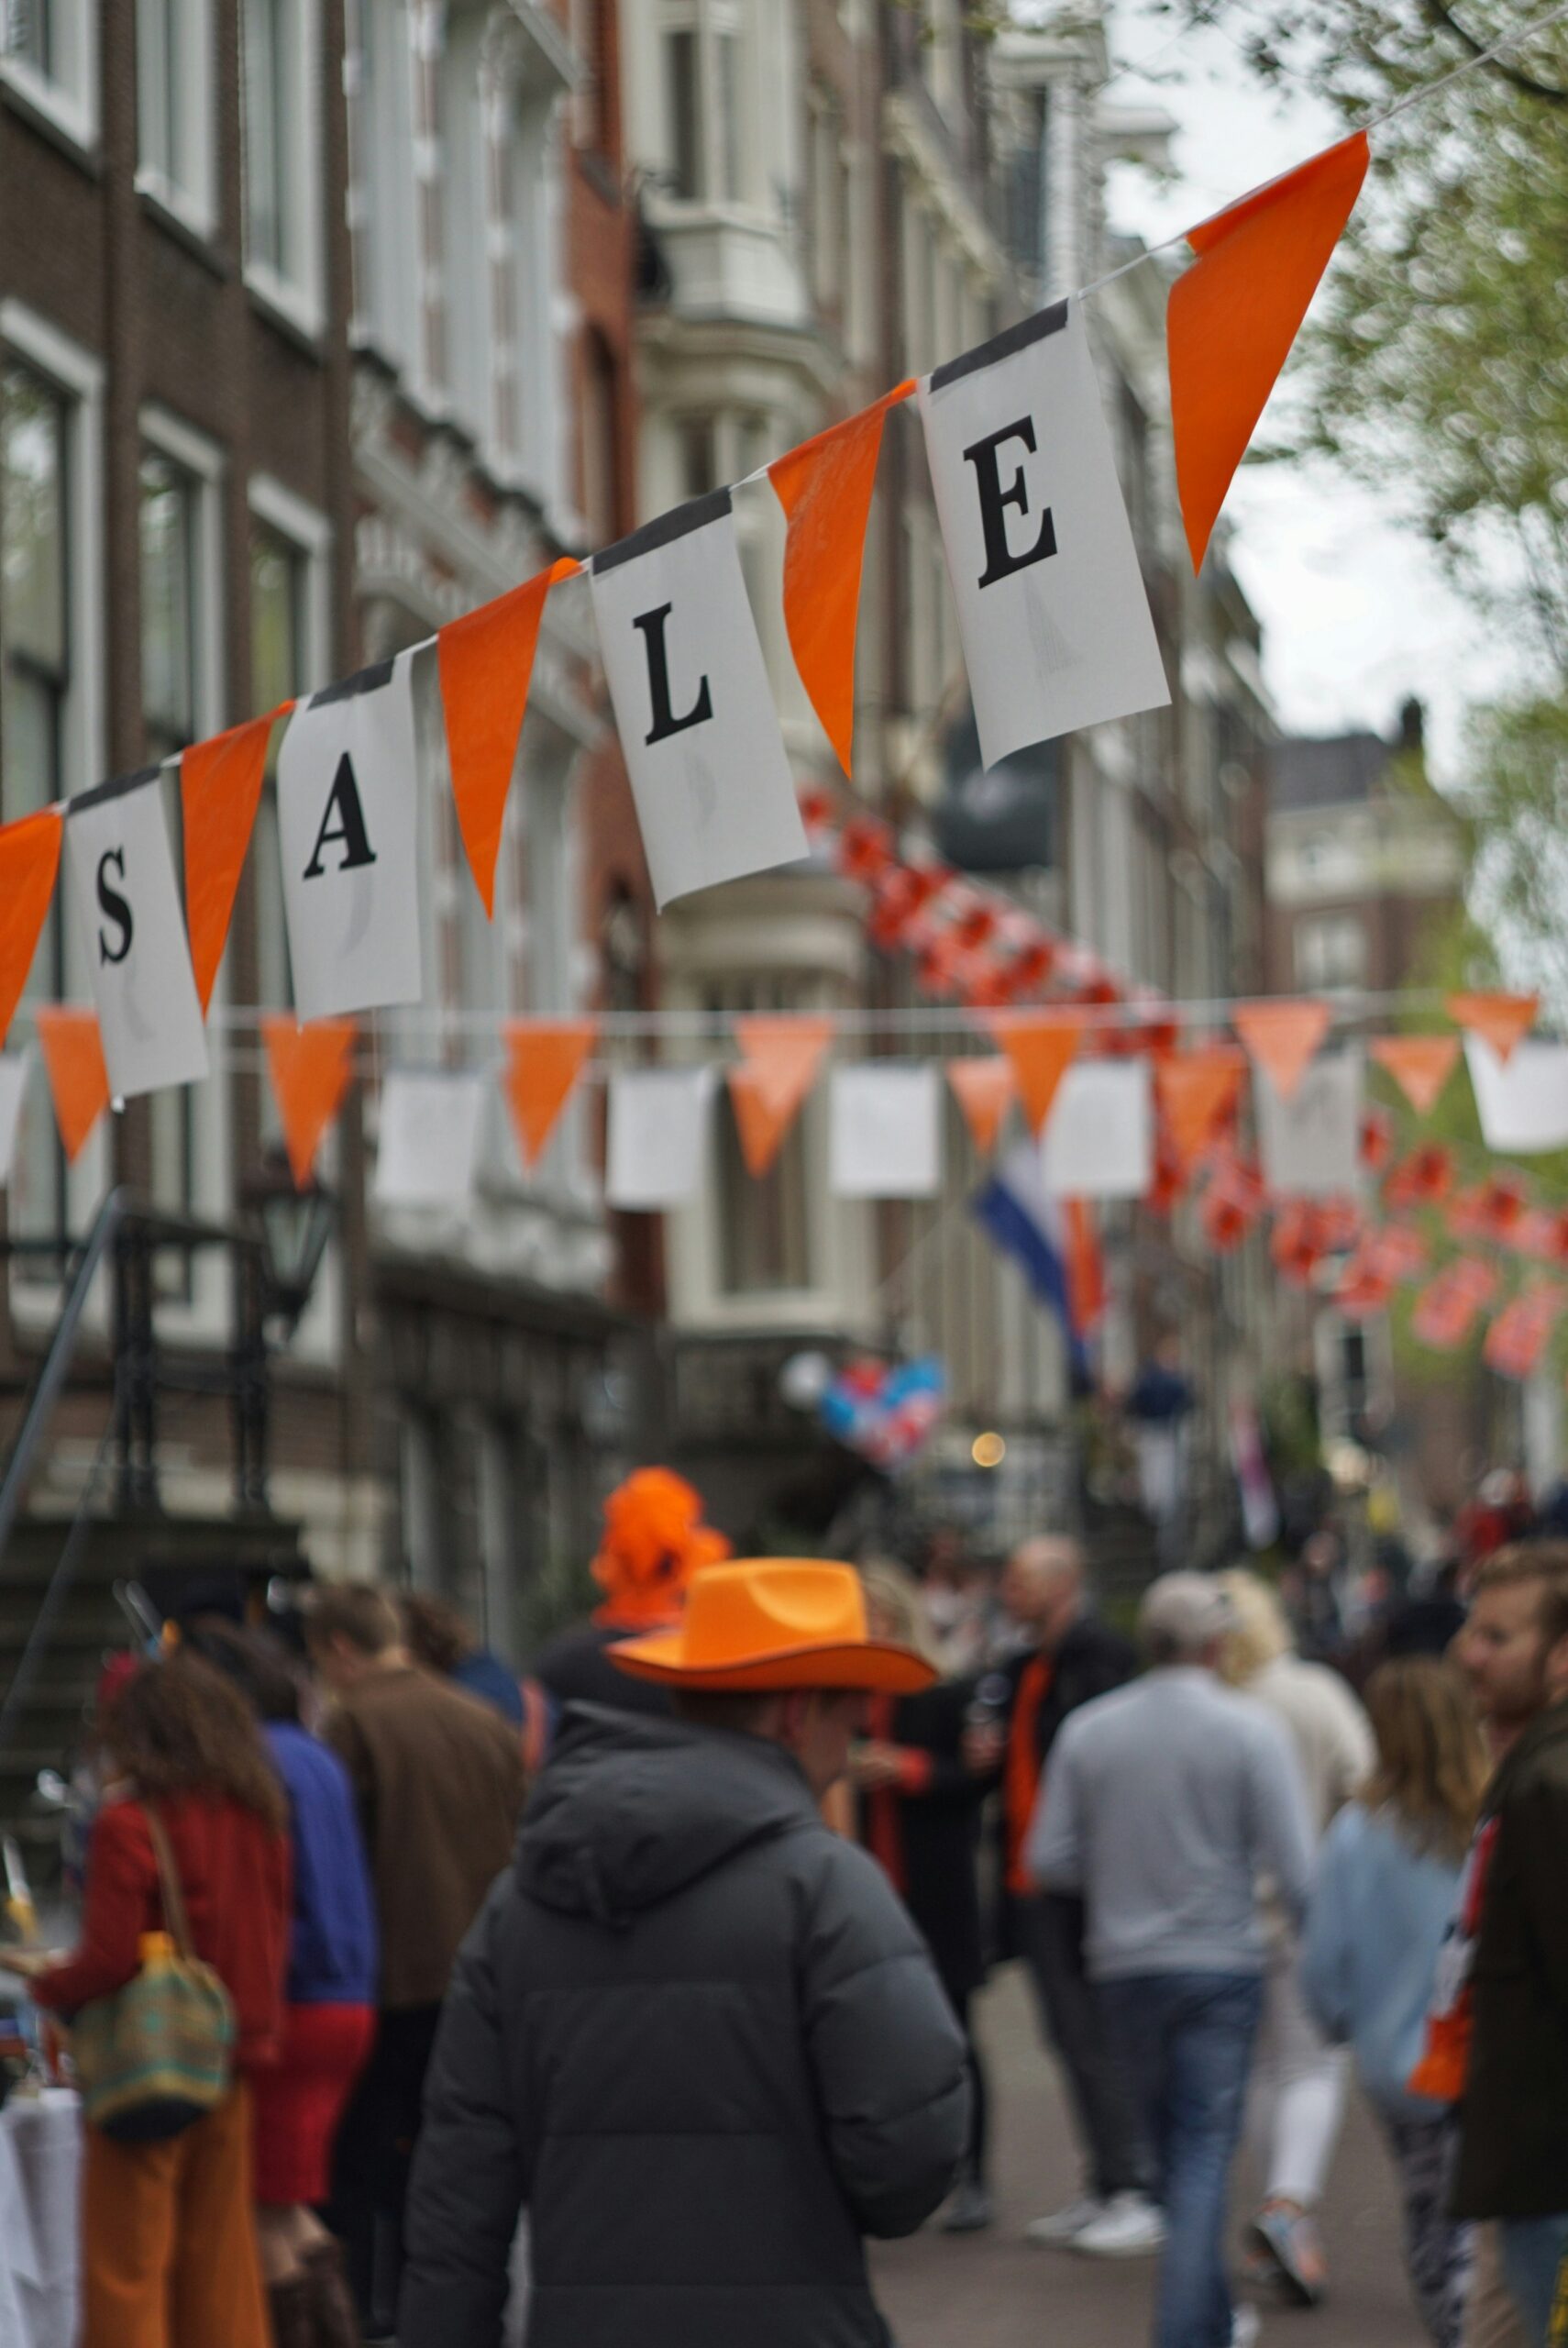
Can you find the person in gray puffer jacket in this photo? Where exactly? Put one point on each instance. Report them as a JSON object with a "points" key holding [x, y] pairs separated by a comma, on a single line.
{"points": [[692, 2031]]}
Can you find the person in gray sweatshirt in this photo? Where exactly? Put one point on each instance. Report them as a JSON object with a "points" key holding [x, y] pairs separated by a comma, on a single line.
{"points": [[1166, 1805]]}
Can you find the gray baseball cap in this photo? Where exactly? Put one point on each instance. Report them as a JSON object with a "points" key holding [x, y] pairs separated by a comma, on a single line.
{"points": [[1186, 1610]]}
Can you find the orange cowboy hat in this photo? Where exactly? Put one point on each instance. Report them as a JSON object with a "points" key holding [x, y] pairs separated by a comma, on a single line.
{"points": [[768, 1622]]}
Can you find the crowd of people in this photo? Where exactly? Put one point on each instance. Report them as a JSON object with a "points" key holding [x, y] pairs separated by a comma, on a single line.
{"points": [[627, 2000]]}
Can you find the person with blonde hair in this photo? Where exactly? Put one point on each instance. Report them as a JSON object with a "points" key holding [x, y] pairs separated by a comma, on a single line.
{"points": [[918, 1813], [1298, 2095], [1387, 1885]]}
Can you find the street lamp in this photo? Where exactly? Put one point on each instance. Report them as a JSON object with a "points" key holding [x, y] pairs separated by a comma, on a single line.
{"points": [[295, 1226]]}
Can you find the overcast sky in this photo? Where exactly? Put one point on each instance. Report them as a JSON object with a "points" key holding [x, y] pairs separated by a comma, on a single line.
{"points": [[1356, 610]]}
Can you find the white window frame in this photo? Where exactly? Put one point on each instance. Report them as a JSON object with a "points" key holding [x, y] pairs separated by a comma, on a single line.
{"points": [[72, 107], [193, 205], [309, 532], [708, 21], [297, 300], [205, 1317]]}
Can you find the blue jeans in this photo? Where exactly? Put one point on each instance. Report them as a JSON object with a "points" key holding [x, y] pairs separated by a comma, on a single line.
{"points": [[1187, 2041], [1533, 2251]]}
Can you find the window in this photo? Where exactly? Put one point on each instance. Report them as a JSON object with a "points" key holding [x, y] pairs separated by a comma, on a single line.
{"points": [[683, 99], [601, 466], [281, 155], [386, 290], [47, 49], [472, 334], [289, 656], [34, 681], [1330, 951], [703, 98], [174, 126]]}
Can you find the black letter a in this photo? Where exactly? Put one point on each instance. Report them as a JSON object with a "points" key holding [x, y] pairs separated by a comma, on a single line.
{"points": [[350, 827], [665, 721]]}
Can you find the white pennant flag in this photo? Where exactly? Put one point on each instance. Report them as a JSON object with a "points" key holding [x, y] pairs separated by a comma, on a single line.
{"points": [[1052, 607], [348, 832], [885, 1130], [1523, 1100], [13, 1066], [430, 1130], [1100, 1137], [656, 1145], [1310, 1145], [133, 931], [715, 798]]}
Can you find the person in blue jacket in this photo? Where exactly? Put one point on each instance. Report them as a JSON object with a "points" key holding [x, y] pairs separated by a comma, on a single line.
{"points": [[1385, 1891]]}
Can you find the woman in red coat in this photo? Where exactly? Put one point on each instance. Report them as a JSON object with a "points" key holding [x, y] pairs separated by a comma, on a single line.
{"points": [[169, 2241]]}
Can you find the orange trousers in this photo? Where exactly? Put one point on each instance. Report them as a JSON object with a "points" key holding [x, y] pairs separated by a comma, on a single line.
{"points": [[169, 2238]]}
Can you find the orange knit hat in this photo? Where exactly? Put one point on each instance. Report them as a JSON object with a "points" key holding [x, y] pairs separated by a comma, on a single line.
{"points": [[654, 1541]]}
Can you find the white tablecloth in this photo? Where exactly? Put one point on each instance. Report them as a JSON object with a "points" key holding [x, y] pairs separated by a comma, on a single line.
{"points": [[40, 2185]]}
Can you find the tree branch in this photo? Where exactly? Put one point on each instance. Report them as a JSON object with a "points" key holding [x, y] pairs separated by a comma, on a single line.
{"points": [[1443, 16]]}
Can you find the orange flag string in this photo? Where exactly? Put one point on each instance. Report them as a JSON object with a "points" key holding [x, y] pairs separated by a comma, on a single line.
{"points": [[486, 661], [1282, 1038], [824, 487], [1196, 1093], [985, 1090], [1420, 1065], [30, 858], [1500, 1020], [310, 1068], [544, 1060], [220, 790], [78, 1081], [1041, 1051], [1235, 313], [780, 1060]]}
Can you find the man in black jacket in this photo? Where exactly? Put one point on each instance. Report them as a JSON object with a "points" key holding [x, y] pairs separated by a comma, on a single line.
{"points": [[1513, 2162], [1071, 1658], [693, 2032]]}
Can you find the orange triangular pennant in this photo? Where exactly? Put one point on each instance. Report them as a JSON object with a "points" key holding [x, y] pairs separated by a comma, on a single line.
{"points": [[78, 1081], [1500, 1020], [1196, 1093], [1282, 1038], [781, 1059], [544, 1059], [1039, 1051], [1233, 316], [220, 790], [310, 1068], [824, 487], [985, 1090], [30, 858], [1420, 1065], [486, 660]]}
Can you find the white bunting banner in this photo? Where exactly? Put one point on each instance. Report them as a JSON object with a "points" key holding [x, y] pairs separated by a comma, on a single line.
{"points": [[349, 832], [1522, 1101], [1310, 1145], [1100, 1137], [14, 1068], [656, 1150], [430, 1131], [884, 1131], [133, 933], [693, 707], [1052, 608]]}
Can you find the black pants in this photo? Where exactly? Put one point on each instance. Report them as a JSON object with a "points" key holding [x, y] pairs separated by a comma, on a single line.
{"points": [[1115, 2146], [974, 2169], [373, 2157]]}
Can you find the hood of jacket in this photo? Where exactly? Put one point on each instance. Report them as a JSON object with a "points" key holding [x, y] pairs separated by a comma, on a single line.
{"points": [[632, 1809]]}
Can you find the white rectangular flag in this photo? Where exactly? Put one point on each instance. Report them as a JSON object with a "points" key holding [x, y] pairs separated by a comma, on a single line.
{"points": [[885, 1130], [1052, 606], [348, 832], [13, 1066], [1523, 1100], [657, 1147], [1099, 1135], [133, 933], [428, 1154], [1310, 1145], [716, 797]]}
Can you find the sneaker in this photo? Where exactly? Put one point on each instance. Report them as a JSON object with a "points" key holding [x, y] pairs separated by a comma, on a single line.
{"points": [[1245, 2325], [1061, 2230], [970, 2211], [1130, 2226], [1288, 2237]]}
